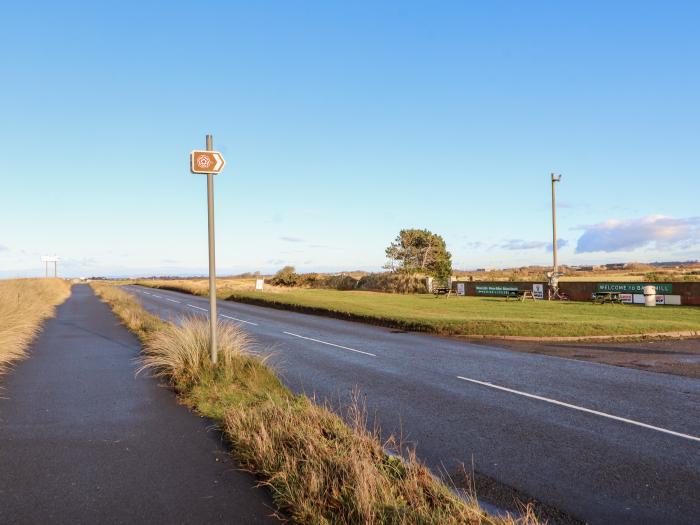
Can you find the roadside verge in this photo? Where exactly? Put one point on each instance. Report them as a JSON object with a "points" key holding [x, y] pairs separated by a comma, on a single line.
{"points": [[320, 468], [24, 305]]}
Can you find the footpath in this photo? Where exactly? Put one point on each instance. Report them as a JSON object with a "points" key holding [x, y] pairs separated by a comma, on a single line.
{"points": [[82, 440]]}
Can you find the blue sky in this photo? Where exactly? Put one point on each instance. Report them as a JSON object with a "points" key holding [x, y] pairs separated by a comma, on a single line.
{"points": [[342, 123]]}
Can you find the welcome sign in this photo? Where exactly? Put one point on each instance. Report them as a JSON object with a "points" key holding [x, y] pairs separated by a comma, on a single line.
{"points": [[661, 288]]}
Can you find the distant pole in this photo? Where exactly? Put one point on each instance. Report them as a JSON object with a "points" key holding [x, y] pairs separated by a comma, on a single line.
{"points": [[212, 258], [55, 268], [46, 269], [555, 263]]}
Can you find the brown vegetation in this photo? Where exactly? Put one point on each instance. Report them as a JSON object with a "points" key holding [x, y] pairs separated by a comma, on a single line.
{"points": [[24, 305]]}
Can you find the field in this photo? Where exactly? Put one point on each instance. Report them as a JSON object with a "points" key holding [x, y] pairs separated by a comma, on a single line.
{"points": [[461, 316], [24, 304]]}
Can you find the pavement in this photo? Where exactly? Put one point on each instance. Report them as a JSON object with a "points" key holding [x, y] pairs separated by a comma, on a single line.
{"points": [[603, 444], [82, 440]]}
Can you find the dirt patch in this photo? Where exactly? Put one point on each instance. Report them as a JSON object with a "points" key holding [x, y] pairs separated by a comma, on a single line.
{"points": [[679, 356]]}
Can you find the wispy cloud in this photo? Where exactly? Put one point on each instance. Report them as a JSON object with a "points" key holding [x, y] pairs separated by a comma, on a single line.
{"points": [[291, 239], [658, 231], [3, 248], [521, 244]]}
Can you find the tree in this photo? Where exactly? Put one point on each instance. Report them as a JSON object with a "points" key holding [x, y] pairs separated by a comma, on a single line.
{"points": [[420, 251]]}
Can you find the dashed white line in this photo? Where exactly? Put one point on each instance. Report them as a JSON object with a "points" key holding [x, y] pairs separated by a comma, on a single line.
{"points": [[147, 293], [158, 296], [239, 320], [329, 344], [582, 409], [197, 307], [171, 300]]}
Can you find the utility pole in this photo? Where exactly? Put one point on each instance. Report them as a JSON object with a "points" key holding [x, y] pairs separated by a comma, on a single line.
{"points": [[212, 258], [554, 280], [555, 179]]}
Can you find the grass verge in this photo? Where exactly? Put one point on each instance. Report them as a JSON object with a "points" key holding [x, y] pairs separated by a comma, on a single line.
{"points": [[24, 305], [461, 316], [319, 467]]}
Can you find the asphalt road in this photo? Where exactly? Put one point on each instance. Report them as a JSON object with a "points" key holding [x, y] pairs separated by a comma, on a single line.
{"points": [[602, 443], [84, 441]]}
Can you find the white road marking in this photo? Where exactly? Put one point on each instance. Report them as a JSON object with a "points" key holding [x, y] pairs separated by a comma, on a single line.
{"points": [[239, 320], [583, 409], [158, 296], [197, 307], [147, 293], [329, 344], [171, 300]]}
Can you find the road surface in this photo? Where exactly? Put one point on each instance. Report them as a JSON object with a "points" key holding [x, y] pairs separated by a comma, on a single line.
{"points": [[602, 443], [84, 441]]}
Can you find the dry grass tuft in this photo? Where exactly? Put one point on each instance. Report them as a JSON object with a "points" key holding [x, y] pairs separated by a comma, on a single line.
{"points": [[181, 352], [24, 305], [320, 468]]}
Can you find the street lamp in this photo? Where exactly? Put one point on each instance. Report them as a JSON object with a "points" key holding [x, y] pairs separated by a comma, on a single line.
{"points": [[554, 279]]}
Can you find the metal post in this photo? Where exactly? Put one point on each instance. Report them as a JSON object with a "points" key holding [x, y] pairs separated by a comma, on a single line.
{"points": [[55, 269], [212, 260], [46, 269], [555, 265], [554, 279]]}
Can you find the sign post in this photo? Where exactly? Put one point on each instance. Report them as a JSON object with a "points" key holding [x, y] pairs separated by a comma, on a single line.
{"points": [[210, 162], [46, 259]]}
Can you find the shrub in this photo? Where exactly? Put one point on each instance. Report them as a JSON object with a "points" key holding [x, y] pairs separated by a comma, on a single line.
{"points": [[287, 276], [393, 283]]}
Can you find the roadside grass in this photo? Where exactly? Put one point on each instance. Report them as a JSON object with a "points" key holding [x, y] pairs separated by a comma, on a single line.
{"points": [[320, 468], [462, 316], [24, 305]]}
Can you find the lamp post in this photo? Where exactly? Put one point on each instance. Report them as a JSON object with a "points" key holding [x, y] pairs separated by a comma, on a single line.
{"points": [[555, 265], [554, 280]]}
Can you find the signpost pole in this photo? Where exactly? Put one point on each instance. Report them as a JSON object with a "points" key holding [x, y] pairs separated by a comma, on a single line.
{"points": [[212, 258]]}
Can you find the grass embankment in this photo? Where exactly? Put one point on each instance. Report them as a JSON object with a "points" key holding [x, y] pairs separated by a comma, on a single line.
{"points": [[24, 305], [476, 316], [319, 468]]}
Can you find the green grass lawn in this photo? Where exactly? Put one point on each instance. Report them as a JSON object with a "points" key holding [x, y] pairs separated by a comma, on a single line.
{"points": [[483, 315]]}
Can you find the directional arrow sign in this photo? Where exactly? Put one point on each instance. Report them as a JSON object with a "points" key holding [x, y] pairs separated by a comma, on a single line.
{"points": [[206, 162]]}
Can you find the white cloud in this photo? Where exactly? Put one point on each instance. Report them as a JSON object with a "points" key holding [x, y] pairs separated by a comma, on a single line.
{"points": [[626, 235], [291, 239]]}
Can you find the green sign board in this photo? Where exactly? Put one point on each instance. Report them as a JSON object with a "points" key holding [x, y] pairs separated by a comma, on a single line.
{"points": [[661, 288], [495, 290]]}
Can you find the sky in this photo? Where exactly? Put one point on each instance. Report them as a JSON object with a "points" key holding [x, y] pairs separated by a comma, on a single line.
{"points": [[342, 123]]}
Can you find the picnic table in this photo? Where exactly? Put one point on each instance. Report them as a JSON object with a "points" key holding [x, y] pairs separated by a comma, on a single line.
{"points": [[520, 295], [607, 297], [442, 290]]}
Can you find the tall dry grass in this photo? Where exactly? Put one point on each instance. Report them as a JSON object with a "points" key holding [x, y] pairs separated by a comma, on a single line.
{"points": [[24, 305], [321, 468]]}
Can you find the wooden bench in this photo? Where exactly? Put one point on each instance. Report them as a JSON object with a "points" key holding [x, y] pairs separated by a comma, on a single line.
{"points": [[607, 297], [520, 295]]}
